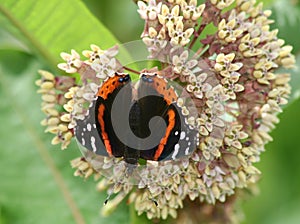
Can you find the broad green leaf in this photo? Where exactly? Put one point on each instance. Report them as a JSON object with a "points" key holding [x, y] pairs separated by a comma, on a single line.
{"points": [[50, 27], [120, 16], [8, 41], [37, 183]]}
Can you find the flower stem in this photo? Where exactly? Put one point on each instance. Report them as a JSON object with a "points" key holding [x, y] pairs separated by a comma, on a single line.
{"points": [[131, 70], [196, 35]]}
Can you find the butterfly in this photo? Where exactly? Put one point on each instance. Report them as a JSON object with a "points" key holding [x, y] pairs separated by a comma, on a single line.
{"points": [[136, 121]]}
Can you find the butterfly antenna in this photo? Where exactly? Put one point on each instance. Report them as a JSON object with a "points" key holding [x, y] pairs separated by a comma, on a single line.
{"points": [[116, 184], [152, 198], [107, 198], [110, 192]]}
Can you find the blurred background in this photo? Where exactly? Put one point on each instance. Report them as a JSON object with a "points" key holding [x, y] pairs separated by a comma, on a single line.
{"points": [[36, 181]]}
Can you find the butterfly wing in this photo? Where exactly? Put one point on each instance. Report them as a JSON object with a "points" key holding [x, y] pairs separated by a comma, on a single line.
{"points": [[157, 99], [96, 132]]}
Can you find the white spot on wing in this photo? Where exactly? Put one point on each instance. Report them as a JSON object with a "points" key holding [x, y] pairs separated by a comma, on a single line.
{"points": [[94, 125], [186, 152], [82, 141], [176, 132], [176, 150], [93, 143], [182, 135], [89, 127]]}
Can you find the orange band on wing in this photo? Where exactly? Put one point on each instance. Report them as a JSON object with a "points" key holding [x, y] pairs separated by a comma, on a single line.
{"points": [[108, 87], [103, 132], [164, 140]]}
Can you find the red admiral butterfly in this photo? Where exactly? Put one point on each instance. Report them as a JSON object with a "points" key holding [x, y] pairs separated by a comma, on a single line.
{"points": [[141, 121]]}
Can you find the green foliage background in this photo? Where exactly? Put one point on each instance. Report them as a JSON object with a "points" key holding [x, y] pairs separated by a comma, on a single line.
{"points": [[36, 182]]}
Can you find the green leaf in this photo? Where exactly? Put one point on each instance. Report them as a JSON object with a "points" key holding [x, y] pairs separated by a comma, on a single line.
{"points": [[8, 41], [37, 183], [50, 27], [115, 13]]}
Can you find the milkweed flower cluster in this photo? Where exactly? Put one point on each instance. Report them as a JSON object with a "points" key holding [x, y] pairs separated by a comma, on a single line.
{"points": [[230, 74]]}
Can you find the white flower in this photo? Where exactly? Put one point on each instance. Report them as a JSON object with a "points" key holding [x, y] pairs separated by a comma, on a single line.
{"points": [[149, 11], [182, 65], [191, 10], [168, 18], [179, 36], [197, 85], [104, 67], [73, 62]]}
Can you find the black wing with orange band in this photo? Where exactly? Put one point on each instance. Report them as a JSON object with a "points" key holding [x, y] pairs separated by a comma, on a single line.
{"points": [[95, 132], [158, 99]]}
